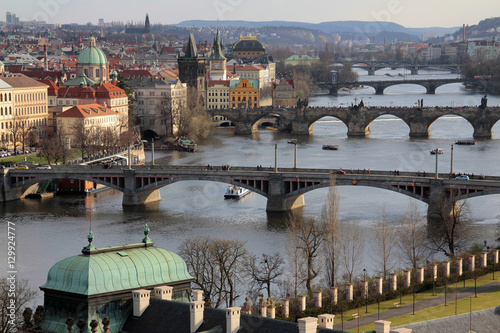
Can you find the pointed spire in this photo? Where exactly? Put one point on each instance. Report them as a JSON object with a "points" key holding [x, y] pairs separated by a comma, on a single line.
{"points": [[218, 47], [191, 51], [90, 247]]}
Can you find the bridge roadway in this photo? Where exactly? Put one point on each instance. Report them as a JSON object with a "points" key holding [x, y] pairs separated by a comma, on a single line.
{"points": [[300, 121], [413, 68], [284, 189], [429, 84]]}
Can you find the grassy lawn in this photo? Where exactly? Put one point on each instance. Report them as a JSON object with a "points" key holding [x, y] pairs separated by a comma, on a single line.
{"points": [[484, 301], [20, 158]]}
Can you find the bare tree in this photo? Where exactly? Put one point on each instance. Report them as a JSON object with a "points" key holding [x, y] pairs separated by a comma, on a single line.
{"points": [[412, 238], [296, 266], [81, 135], [25, 126], [308, 237], [383, 250], [52, 149], [264, 271], [193, 120], [452, 233], [168, 115], [216, 265], [351, 249], [12, 307], [331, 244]]}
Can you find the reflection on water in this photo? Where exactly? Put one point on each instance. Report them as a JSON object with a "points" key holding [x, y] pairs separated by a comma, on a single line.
{"points": [[51, 229]]}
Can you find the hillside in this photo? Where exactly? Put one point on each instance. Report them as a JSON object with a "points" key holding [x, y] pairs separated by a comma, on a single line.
{"points": [[486, 28]]}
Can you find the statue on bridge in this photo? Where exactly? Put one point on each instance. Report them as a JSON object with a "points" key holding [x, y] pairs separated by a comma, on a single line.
{"points": [[484, 102], [302, 103]]}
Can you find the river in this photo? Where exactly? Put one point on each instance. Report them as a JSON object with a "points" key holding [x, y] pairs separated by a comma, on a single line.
{"points": [[51, 229]]}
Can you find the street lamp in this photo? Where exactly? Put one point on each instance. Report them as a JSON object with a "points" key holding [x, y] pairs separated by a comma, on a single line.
{"points": [[451, 166], [437, 163], [295, 156], [366, 288], [276, 158]]}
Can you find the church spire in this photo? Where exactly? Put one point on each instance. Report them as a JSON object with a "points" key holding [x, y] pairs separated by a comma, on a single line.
{"points": [[217, 49], [192, 51]]}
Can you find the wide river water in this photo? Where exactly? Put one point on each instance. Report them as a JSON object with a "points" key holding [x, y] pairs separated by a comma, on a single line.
{"points": [[51, 229]]}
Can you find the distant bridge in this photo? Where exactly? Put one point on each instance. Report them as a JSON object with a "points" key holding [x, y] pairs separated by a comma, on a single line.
{"points": [[283, 189], [371, 67], [429, 84], [300, 121]]}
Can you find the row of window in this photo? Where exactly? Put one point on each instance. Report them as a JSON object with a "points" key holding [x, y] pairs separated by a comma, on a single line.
{"points": [[217, 94], [28, 124], [31, 110], [4, 97], [29, 97], [5, 111], [217, 100]]}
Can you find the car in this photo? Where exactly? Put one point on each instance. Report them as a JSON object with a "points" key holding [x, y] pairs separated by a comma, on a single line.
{"points": [[22, 167], [339, 172], [44, 167], [462, 177]]}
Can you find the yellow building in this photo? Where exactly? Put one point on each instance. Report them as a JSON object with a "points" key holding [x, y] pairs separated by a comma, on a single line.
{"points": [[27, 109], [244, 93], [248, 48]]}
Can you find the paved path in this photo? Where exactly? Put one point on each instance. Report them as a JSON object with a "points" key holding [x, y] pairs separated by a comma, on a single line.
{"points": [[388, 314]]}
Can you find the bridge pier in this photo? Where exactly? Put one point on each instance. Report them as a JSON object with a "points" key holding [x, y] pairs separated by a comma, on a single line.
{"points": [[276, 201], [379, 90], [419, 130], [244, 128], [355, 130], [371, 71], [431, 90], [414, 71], [483, 134], [133, 198], [440, 207]]}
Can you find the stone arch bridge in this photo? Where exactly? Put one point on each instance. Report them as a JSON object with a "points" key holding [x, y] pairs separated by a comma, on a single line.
{"points": [[430, 84], [300, 121], [283, 189]]}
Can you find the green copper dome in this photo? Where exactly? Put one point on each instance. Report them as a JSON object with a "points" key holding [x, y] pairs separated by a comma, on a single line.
{"points": [[92, 55], [115, 269]]}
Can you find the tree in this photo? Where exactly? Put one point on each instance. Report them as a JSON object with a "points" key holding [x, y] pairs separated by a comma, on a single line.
{"points": [[52, 149], [264, 271], [81, 134], [307, 235], [194, 121], [24, 129], [216, 265], [331, 244], [302, 83], [131, 100], [383, 247], [412, 238], [168, 115], [351, 249], [346, 74], [12, 306], [452, 232]]}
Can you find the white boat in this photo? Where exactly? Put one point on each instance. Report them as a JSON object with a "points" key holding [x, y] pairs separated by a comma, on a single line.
{"points": [[235, 192]]}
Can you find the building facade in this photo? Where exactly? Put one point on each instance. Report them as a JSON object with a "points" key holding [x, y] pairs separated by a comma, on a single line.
{"points": [[192, 68], [248, 47], [218, 94], [284, 94], [158, 105], [244, 94]]}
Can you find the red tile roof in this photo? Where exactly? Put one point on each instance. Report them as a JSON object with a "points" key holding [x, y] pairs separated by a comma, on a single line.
{"points": [[87, 110]]}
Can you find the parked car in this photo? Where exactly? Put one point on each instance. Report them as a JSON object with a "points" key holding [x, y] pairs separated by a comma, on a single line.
{"points": [[23, 167], [44, 167], [339, 172], [462, 177]]}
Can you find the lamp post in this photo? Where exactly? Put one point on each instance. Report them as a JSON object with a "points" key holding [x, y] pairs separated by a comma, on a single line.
{"points": [[276, 158], [153, 151], [451, 165], [366, 290], [437, 163], [295, 156]]}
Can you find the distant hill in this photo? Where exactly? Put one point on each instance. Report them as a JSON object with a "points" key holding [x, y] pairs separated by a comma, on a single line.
{"points": [[368, 28], [484, 29]]}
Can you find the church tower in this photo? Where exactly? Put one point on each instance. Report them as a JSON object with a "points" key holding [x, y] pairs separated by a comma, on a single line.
{"points": [[192, 67], [218, 70], [147, 26]]}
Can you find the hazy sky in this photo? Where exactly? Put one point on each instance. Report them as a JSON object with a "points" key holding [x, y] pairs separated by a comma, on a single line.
{"points": [[409, 13]]}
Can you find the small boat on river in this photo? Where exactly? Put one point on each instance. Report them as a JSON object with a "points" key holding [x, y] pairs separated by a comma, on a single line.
{"points": [[235, 192], [330, 147], [292, 141], [469, 142], [437, 151]]}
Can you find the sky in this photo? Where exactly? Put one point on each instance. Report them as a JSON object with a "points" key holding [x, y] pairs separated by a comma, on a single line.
{"points": [[409, 13]]}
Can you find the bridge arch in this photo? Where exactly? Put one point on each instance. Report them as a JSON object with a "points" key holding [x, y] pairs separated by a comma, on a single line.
{"points": [[38, 179], [400, 126], [225, 180], [415, 87], [149, 134], [325, 118], [455, 121]]}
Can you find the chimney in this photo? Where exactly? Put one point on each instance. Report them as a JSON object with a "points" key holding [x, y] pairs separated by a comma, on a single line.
{"points": [[196, 315], [233, 319], [382, 326], [326, 320], [164, 292], [197, 295], [140, 300], [308, 325], [463, 33]]}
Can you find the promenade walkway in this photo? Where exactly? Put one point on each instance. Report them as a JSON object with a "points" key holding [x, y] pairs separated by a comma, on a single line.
{"points": [[408, 308]]}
